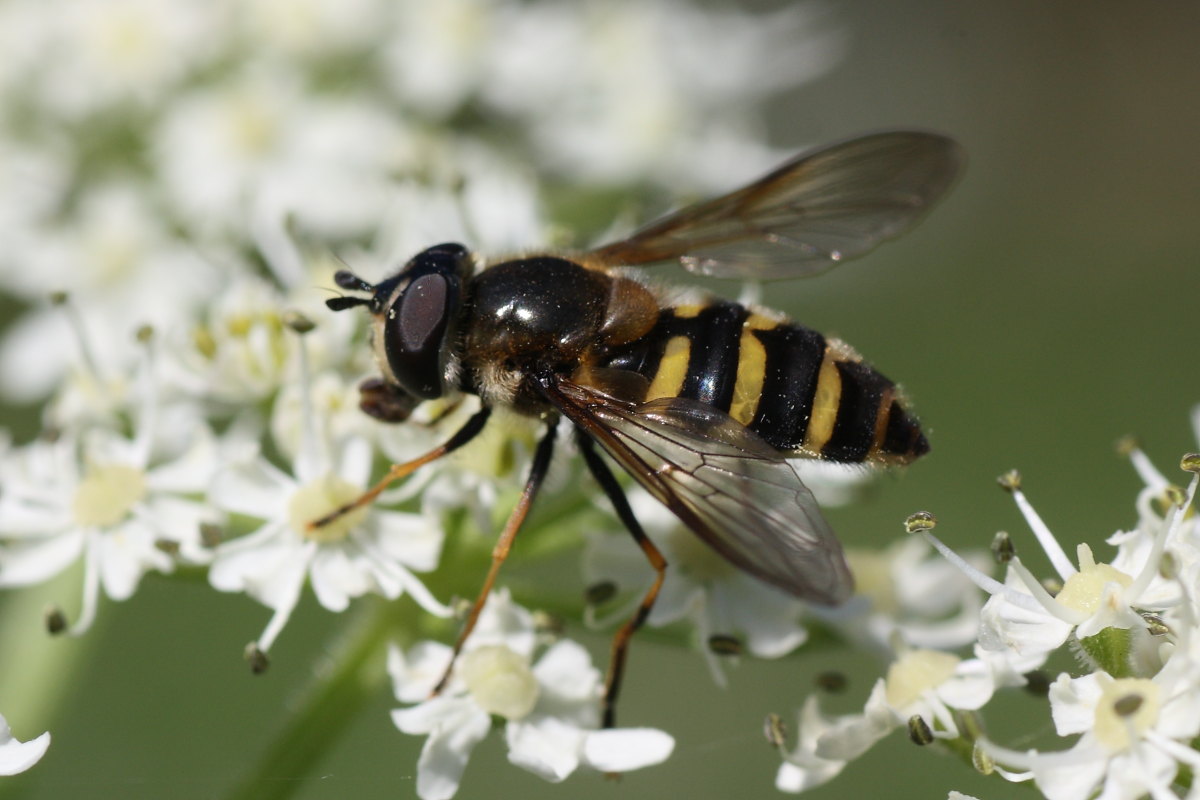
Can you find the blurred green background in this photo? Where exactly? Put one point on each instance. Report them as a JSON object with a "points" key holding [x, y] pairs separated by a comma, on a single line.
{"points": [[1034, 318]]}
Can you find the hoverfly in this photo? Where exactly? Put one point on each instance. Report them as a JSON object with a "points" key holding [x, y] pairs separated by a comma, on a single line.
{"points": [[701, 403]]}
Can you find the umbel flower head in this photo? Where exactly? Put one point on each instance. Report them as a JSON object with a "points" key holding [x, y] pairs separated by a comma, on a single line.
{"points": [[365, 550], [1133, 623], [126, 504], [549, 705]]}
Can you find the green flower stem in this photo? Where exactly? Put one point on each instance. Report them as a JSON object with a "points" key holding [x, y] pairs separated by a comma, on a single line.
{"points": [[355, 673], [39, 670]]}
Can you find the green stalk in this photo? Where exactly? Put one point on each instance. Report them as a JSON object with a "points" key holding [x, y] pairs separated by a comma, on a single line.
{"points": [[356, 671]]}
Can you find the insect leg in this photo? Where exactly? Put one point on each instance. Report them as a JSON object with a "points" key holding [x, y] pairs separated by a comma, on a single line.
{"points": [[397, 471], [537, 475], [620, 645]]}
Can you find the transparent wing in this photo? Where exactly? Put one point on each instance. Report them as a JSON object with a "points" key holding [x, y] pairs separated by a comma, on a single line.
{"points": [[724, 482], [815, 211]]}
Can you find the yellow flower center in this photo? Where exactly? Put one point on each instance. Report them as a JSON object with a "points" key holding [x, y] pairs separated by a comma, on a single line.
{"points": [[252, 126], [107, 493], [1084, 590], [500, 681], [916, 672], [1126, 709], [320, 498]]}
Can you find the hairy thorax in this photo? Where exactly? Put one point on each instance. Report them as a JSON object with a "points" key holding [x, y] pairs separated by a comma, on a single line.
{"points": [[545, 314]]}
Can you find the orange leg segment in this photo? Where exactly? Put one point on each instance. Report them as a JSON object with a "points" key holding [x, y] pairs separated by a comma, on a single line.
{"points": [[537, 475], [397, 471]]}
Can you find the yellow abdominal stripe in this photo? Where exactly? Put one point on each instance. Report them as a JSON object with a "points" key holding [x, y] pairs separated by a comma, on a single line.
{"points": [[751, 370], [672, 369], [825, 404]]}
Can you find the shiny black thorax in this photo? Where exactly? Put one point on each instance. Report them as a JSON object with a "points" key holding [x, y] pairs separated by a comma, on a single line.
{"points": [[526, 317]]}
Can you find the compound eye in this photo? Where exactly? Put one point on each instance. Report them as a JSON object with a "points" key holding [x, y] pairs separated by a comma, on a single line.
{"points": [[415, 334]]}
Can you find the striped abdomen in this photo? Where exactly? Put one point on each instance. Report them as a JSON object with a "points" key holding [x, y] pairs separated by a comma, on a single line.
{"points": [[798, 390]]}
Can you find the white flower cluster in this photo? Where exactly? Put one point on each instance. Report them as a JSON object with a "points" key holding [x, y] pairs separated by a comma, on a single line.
{"points": [[1133, 624], [550, 707], [179, 180]]}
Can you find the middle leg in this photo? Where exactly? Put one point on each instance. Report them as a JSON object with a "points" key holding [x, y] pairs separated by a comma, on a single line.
{"points": [[620, 645]]}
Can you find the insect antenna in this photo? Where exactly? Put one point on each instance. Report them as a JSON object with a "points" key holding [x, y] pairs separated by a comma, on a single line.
{"points": [[342, 303], [348, 280]]}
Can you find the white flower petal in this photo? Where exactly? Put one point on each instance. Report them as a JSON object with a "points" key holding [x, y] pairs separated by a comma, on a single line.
{"points": [[809, 773], [970, 688], [676, 600], [191, 472], [126, 554], [566, 670], [270, 568], [850, 736], [255, 488], [335, 577], [445, 754], [454, 725], [1005, 626], [766, 618], [178, 520], [354, 466], [414, 540], [435, 712], [547, 747], [28, 517], [24, 563], [625, 749], [18, 756], [1073, 703], [504, 622], [1074, 779], [107, 447], [803, 769], [414, 674]]}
